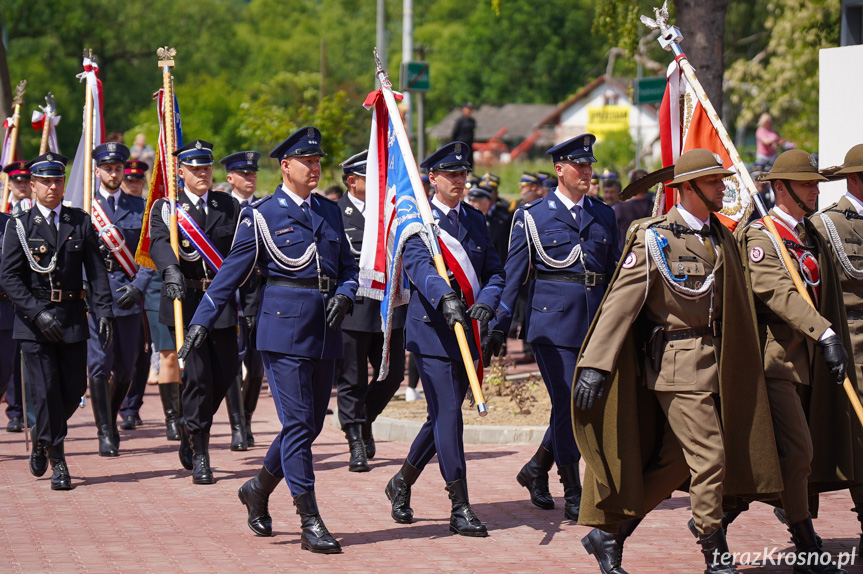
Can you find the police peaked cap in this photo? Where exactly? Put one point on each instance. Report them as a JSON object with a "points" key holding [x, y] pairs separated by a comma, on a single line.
{"points": [[304, 142]]}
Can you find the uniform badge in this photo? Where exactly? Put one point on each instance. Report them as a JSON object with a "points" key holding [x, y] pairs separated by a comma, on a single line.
{"points": [[112, 147], [247, 222], [349, 210], [37, 219], [283, 202], [283, 231], [186, 206], [214, 203], [42, 249], [717, 158], [198, 145], [519, 223], [185, 243], [813, 162], [552, 204], [49, 157], [457, 147], [630, 260], [250, 156], [756, 254], [66, 217], [586, 143]]}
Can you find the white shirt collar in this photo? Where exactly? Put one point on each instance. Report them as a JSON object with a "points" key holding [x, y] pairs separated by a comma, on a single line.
{"points": [[445, 208], [568, 203], [858, 205], [296, 198], [784, 216], [361, 205], [692, 221], [240, 199], [197, 201], [45, 211], [106, 194]]}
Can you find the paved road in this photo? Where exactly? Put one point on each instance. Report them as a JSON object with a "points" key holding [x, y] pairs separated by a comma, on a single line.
{"points": [[141, 513]]}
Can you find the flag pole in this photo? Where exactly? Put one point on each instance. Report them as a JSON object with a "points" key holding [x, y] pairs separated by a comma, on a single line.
{"points": [[48, 116], [428, 221], [89, 109], [670, 38], [13, 142], [166, 62]]}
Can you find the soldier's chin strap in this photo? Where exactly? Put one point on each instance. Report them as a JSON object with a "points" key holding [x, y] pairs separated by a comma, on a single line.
{"points": [[793, 194], [710, 207]]}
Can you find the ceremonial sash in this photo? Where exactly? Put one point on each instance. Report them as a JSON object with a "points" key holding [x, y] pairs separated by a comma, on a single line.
{"points": [[113, 240], [809, 269], [462, 269], [198, 239]]}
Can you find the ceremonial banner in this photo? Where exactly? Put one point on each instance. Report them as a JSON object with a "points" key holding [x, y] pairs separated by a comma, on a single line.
{"points": [[38, 123], [75, 187], [159, 181], [7, 144], [685, 125]]}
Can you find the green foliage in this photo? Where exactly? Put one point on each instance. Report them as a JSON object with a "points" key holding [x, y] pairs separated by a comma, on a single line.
{"points": [[616, 151]]}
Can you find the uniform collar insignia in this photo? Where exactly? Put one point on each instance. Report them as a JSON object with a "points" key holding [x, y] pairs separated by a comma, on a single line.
{"points": [[552, 204], [66, 217], [187, 206], [38, 219], [349, 210], [283, 202]]}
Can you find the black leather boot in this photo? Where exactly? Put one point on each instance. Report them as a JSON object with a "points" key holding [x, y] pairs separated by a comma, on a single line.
{"points": [[185, 450], [398, 492], [716, 555], [359, 462], [607, 548], [779, 513], [534, 477], [251, 392], [60, 479], [16, 424], [102, 413], [255, 494], [315, 537], [369, 439], [234, 400], [201, 472], [571, 490], [38, 456], [809, 552], [462, 519], [170, 395], [116, 393], [129, 422]]}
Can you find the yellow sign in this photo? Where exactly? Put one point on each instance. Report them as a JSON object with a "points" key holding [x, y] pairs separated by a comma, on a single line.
{"points": [[604, 119]]}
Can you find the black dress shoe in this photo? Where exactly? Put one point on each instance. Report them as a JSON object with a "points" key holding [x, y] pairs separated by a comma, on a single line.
{"points": [[15, 425], [315, 537], [38, 460], [185, 450], [462, 520], [201, 471], [128, 422], [255, 494], [138, 421], [60, 479]]}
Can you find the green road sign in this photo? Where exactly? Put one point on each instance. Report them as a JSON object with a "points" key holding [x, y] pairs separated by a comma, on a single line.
{"points": [[415, 77], [649, 90]]}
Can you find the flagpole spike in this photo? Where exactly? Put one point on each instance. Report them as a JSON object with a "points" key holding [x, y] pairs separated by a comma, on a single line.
{"points": [[381, 73], [19, 93]]}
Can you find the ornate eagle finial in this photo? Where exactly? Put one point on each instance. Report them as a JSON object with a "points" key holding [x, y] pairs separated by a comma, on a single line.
{"points": [[166, 56], [19, 93]]}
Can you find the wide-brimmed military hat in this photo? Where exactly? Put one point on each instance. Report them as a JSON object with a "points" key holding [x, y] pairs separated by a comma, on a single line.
{"points": [[697, 163], [853, 161], [794, 165]]}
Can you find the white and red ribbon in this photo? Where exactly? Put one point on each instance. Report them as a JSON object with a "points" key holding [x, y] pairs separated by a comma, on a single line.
{"points": [[113, 239], [199, 240], [37, 120]]}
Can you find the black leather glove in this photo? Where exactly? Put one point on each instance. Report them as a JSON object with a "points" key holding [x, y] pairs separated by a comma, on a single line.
{"points": [[49, 325], [480, 312], [491, 345], [130, 296], [835, 357], [194, 338], [337, 308], [175, 283], [250, 322], [106, 331], [588, 388], [454, 311]]}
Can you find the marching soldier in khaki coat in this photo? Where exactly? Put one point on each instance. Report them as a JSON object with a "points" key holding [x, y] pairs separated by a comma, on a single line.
{"points": [[841, 227], [680, 288], [797, 341]]}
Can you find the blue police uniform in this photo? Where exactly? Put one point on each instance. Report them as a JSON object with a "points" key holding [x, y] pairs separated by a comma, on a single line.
{"points": [[307, 268], [359, 400], [42, 271], [436, 351], [111, 369], [567, 265]]}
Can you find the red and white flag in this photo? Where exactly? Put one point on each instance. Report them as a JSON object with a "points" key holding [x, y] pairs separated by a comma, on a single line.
{"points": [[38, 123], [5, 157], [75, 188], [684, 125]]}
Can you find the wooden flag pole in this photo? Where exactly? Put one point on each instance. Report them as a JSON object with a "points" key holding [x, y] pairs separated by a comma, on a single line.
{"points": [[13, 141]]}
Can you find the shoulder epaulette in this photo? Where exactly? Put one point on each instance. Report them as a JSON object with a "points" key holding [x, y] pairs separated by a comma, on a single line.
{"points": [[646, 223], [533, 203], [259, 201], [828, 208]]}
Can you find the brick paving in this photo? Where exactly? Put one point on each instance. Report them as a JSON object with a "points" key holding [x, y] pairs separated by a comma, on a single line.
{"points": [[140, 513]]}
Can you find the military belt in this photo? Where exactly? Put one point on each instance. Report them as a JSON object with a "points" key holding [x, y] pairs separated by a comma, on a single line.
{"points": [[681, 334], [323, 284], [112, 265], [199, 284], [58, 295], [587, 279], [854, 314]]}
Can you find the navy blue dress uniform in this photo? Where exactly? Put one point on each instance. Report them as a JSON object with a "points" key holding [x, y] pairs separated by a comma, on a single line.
{"points": [[111, 369], [435, 348], [210, 369], [45, 254], [310, 280], [565, 253], [15, 171], [8, 347], [360, 401]]}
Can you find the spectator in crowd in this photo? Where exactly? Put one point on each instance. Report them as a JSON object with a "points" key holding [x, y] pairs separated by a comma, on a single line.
{"points": [[610, 187], [636, 207], [464, 129], [334, 192], [767, 141], [593, 190], [140, 150]]}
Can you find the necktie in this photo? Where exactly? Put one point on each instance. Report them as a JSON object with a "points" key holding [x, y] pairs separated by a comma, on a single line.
{"points": [[244, 203], [453, 218], [51, 216], [111, 202], [305, 208], [19, 207], [708, 244], [576, 213], [801, 232]]}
